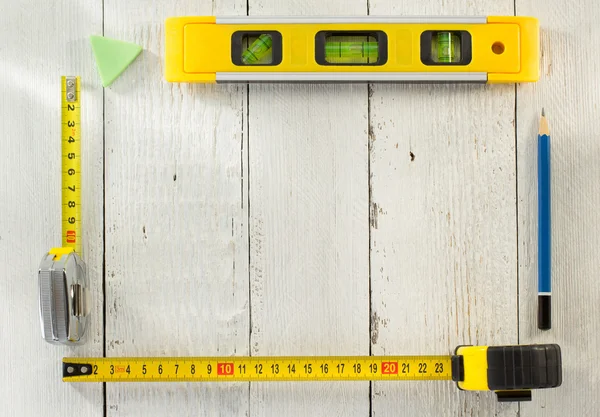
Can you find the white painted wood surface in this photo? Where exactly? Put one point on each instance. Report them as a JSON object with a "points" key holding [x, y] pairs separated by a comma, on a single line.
{"points": [[568, 90], [443, 216], [309, 239], [38, 44], [257, 221], [309, 229], [309, 233], [176, 219]]}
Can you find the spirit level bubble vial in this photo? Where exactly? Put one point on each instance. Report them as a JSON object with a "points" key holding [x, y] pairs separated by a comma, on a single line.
{"points": [[352, 49]]}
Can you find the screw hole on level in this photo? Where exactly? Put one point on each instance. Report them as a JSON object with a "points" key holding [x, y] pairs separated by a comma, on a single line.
{"points": [[70, 370], [498, 48], [84, 369]]}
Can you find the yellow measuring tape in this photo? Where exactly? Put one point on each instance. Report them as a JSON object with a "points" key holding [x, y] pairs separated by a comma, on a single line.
{"points": [[297, 368], [71, 163], [62, 278], [511, 371]]}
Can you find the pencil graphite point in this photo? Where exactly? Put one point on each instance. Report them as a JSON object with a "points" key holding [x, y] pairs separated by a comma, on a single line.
{"points": [[544, 130], [543, 113]]}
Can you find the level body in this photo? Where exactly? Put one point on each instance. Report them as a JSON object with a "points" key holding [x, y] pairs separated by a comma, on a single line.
{"points": [[354, 49]]}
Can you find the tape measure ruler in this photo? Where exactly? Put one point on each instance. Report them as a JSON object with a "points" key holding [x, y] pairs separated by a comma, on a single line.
{"points": [[299, 368], [511, 371], [71, 162], [62, 278]]}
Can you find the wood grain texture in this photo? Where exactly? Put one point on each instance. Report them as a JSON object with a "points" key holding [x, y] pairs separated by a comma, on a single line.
{"points": [[309, 229], [186, 271], [568, 91], [443, 225], [176, 219], [38, 46]]}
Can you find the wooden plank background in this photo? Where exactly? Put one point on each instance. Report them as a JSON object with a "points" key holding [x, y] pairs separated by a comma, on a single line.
{"points": [[39, 42], [443, 219], [568, 91], [304, 219]]}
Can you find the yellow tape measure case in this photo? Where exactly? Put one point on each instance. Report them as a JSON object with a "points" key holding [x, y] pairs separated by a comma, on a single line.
{"points": [[510, 371]]}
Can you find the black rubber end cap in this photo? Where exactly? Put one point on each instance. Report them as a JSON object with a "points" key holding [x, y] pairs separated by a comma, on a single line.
{"points": [[544, 312], [513, 396]]}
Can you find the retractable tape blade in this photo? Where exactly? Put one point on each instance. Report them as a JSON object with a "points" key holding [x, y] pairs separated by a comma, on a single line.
{"points": [[62, 275], [511, 371]]}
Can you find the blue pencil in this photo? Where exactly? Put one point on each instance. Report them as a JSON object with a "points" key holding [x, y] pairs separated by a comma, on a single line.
{"points": [[544, 228]]}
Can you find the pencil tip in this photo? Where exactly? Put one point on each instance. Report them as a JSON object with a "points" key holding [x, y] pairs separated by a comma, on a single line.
{"points": [[544, 124]]}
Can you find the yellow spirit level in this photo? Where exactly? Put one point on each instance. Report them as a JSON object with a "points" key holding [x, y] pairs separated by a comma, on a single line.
{"points": [[511, 371], [352, 49]]}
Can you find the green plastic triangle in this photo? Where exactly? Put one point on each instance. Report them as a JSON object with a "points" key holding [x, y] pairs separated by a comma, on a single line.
{"points": [[113, 57]]}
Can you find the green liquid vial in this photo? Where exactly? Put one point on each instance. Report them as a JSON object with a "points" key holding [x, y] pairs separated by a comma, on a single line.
{"points": [[348, 52], [447, 47], [257, 50]]}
